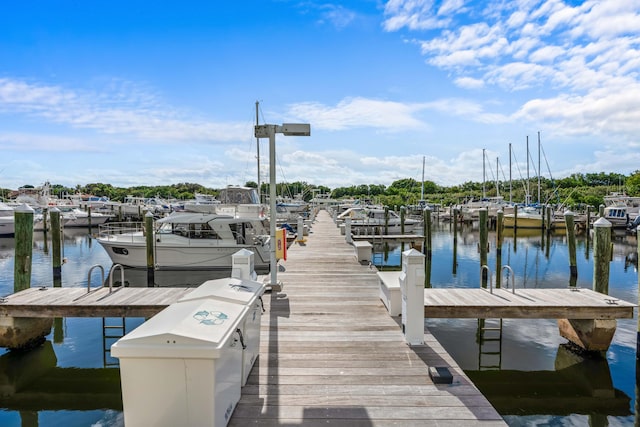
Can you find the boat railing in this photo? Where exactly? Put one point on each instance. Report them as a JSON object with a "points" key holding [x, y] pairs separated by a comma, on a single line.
{"points": [[117, 228]]}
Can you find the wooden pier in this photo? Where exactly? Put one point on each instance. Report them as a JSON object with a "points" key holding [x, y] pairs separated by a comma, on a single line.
{"points": [[99, 302], [568, 303], [331, 354]]}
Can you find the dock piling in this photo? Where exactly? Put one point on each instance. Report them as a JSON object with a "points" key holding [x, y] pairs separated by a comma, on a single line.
{"points": [[484, 243], [571, 238], [150, 238], [23, 215], [499, 241], [601, 255], [56, 246]]}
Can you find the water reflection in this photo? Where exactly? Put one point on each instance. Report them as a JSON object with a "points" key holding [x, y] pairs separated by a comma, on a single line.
{"points": [[577, 385], [32, 382]]}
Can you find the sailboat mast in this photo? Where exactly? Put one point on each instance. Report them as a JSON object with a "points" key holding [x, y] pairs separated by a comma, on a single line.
{"points": [[483, 175], [258, 152], [528, 197], [497, 177], [510, 187], [539, 170], [422, 190]]}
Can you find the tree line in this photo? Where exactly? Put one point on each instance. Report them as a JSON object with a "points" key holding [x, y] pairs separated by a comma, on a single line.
{"points": [[575, 190]]}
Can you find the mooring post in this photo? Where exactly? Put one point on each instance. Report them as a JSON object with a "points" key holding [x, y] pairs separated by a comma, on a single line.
{"points": [[549, 223], [601, 211], [386, 220], [56, 247], [403, 213], [484, 244], [601, 255], [515, 219], [426, 216], [455, 242], [149, 234], [588, 226], [347, 230], [23, 216], [120, 213], [89, 217], [571, 238], [44, 220], [499, 240]]}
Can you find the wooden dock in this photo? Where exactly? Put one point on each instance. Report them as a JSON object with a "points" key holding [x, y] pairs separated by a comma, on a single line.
{"points": [[99, 302], [331, 354], [568, 303]]}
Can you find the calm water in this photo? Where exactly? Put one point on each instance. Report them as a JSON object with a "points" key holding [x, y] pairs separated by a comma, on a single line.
{"points": [[70, 381], [539, 381]]}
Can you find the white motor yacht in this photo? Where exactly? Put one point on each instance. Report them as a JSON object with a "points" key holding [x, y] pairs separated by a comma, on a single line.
{"points": [[188, 241]]}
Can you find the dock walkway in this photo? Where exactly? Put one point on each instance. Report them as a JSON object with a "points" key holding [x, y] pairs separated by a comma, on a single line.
{"points": [[331, 354]]}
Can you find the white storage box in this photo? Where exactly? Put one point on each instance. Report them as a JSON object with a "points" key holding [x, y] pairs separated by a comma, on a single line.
{"points": [[248, 293], [182, 367]]}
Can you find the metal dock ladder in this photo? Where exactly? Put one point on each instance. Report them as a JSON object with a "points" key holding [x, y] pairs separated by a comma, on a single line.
{"points": [[113, 328], [489, 338]]}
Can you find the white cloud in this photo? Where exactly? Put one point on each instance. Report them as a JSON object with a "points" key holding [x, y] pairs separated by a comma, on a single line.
{"points": [[469, 83], [339, 16], [359, 113], [119, 109], [584, 58]]}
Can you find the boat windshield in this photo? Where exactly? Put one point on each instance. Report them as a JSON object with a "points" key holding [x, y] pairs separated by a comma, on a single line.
{"points": [[190, 230]]}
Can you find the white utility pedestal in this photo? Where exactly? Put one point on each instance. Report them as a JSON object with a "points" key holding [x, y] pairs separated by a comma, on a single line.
{"points": [[183, 366], [243, 265], [347, 230], [412, 289], [245, 292]]}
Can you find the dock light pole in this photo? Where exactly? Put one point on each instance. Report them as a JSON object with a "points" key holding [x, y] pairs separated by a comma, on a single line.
{"points": [[269, 131]]}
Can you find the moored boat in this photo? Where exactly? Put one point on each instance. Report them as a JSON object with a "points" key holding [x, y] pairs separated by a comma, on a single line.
{"points": [[188, 240]]}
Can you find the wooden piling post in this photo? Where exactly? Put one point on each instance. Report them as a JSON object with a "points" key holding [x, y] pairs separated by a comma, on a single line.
{"points": [[601, 255], [548, 223], [515, 219], [403, 213], [571, 239], [23, 216], [455, 242], [150, 240], [386, 220], [601, 211], [56, 247], [484, 244], [426, 216], [89, 217], [499, 241], [44, 219]]}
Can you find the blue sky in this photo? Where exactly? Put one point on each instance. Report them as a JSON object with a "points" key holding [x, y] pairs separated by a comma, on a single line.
{"points": [[159, 92]]}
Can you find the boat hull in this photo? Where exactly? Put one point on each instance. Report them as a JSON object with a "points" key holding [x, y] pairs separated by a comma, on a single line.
{"points": [[7, 226], [189, 255]]}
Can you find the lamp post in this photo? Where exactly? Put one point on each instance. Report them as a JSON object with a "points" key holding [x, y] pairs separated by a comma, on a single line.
{"points": [[269, 131]]}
